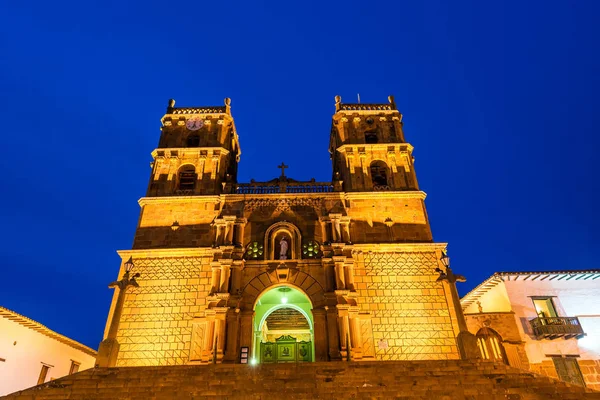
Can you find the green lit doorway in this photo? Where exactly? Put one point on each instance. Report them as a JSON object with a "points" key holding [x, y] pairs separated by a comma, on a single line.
{"points": [[283, 327]]}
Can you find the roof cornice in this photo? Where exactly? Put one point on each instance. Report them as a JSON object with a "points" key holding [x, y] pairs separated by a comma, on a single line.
{"points": [[499, 277], [36, 326], [378, 195]]}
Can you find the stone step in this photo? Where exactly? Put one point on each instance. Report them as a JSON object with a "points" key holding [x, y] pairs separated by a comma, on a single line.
{"points": [[448, 379]]}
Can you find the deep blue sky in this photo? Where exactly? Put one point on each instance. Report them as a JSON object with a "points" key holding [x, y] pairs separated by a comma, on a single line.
{"points": [[500, 100]]}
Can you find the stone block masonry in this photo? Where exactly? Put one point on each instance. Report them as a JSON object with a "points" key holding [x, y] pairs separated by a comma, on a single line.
{"points": [[443, 380]]}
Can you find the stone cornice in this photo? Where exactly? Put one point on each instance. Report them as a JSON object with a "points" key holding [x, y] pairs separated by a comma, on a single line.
{"points": [[194, 151], [387, 247], [376, 146], [162, 253], [407, 194], [36, 326], [179, 199]]}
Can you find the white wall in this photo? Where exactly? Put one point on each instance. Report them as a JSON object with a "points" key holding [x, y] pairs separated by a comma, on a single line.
{"points": [[24, 359], [574, 298]]}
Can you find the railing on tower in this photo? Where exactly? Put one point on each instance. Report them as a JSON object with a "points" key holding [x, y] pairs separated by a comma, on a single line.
{"points": [[283, 187], [366, 107]]}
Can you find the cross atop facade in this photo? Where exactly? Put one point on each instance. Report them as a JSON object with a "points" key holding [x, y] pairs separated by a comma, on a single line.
{"points": [[283, 167]]}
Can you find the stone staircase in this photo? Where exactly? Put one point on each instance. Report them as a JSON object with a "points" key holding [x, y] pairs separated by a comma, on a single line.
{"points": [[464, 380]]}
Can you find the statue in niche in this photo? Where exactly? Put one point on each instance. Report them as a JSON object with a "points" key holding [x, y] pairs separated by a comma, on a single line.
{"points": [[283, 248]]}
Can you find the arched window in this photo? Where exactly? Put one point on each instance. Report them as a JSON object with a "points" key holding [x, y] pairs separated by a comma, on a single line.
{"points": [[371, 137], [186, 178], [193, 140], [379, 173], [490, 345]]}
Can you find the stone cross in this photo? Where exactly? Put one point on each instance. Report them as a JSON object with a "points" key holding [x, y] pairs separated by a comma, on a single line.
{"points": [[283, 167]]}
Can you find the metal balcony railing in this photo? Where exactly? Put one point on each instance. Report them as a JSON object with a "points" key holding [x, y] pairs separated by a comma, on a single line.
{"points": [[555, 327], [284, 187]]}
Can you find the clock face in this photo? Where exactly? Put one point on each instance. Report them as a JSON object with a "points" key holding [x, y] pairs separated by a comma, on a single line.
{"points": [[194, 124]]}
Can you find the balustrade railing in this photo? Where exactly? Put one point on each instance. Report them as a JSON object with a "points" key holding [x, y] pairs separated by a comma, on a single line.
{"points": [[553, 327], [263, 188], [365, 107]]}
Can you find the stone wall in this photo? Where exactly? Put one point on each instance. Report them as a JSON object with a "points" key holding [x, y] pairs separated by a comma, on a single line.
{"points": [[156, 324], [409, 311], [373, 218], [590, 369], [591, 373]]}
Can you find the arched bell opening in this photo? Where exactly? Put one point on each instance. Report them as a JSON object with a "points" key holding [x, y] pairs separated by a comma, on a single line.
{"points": [[186, 179], [380, 175], [283, 326]]}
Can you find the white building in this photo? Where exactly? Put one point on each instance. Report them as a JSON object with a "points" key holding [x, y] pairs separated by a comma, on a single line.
{"points": [[31, 354], [547, 322]]}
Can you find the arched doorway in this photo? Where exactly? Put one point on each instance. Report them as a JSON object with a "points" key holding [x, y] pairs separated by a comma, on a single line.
{"points": [[283, 326]]}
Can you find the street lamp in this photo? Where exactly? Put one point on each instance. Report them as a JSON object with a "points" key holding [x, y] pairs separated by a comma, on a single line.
{"points": [[129, 265], [445, 259]]}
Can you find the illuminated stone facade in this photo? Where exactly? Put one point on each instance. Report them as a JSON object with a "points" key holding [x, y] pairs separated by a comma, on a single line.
{"points": [[359, 247]]}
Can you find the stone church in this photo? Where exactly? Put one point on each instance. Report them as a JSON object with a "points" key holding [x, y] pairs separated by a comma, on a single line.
{"points": [[283, 270], [325, 290]]}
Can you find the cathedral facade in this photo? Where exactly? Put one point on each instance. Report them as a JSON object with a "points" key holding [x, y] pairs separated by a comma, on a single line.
{"points": [[284, 270]]}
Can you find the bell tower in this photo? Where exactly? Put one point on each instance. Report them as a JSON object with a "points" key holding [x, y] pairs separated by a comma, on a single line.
{"points": [[368, 149], [197, 154]]}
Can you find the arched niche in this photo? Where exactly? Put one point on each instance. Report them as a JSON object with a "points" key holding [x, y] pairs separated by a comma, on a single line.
{"points": [[276, 233]]}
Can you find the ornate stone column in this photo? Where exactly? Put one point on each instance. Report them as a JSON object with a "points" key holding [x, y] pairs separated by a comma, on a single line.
{"points": [[219, 225], [209, 340], [231, 351], [355, 337], [344, 329], [224, 275], [323, 222], [240, 224], [340, 276], [220, 331], [333, 334], [320, 334], [229, 224], [246, 329], [349, 273], [215, 281], [345, 223], [215, 166]]}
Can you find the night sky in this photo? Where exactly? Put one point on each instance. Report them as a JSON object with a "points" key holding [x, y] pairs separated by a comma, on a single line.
{"points": [[500, 100]]}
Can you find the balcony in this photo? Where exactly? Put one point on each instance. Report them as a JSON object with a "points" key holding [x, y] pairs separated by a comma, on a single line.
{"points": [[556, 327]]}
